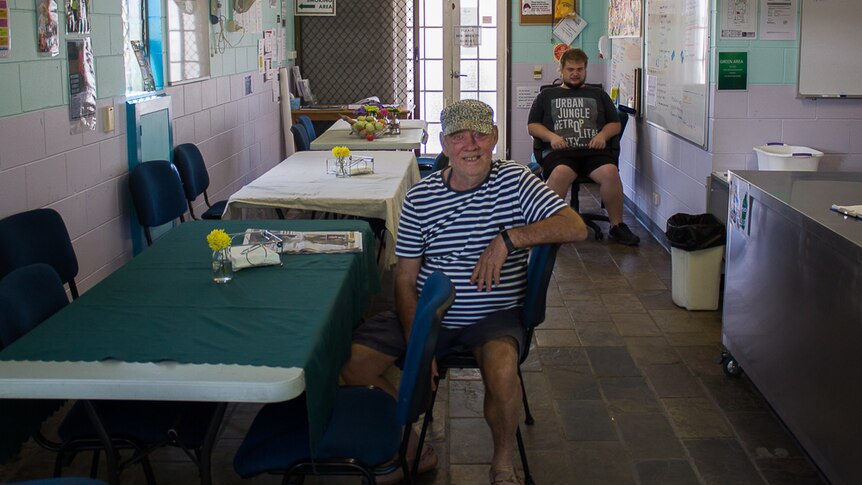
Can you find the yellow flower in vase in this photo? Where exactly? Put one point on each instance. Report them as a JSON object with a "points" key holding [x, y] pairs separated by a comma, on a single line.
{"points": [[218, 239], [341, 155]]}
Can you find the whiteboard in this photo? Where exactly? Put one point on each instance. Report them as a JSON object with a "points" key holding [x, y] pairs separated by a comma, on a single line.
{"points": [[676, 64], [830, 36]]}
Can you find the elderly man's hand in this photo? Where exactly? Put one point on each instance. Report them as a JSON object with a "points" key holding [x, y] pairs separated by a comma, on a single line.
{"points": [[486, 274]]}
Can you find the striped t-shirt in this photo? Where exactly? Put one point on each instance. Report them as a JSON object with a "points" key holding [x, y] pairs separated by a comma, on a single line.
{"points": [[451, 229]]}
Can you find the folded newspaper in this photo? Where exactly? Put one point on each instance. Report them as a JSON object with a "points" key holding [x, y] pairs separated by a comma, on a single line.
{"points": [[306, 242]]}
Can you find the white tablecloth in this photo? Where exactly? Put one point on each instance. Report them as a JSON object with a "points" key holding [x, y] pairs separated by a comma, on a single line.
{"points": [[301, 182], [409, 139]]}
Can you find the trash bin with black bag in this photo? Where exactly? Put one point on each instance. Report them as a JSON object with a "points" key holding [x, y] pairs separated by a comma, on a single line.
{"points": [[697, 247]]}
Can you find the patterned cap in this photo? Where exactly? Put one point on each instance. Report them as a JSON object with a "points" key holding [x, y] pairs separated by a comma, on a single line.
{"points": [[467, 114]]}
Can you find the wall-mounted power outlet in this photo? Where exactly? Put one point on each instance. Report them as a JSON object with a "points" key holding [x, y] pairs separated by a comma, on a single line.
{"points": [[656, 199], [537, 72]]}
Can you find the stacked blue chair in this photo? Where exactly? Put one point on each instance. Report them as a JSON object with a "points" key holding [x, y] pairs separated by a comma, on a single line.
{"points": [[195, 179], [157, 195], [367, 426], [305, 121], [428, 165], [301, 141], [38, 236]]}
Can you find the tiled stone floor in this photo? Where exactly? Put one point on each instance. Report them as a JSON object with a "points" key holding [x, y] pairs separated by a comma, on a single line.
{"points": [[622, 383]]}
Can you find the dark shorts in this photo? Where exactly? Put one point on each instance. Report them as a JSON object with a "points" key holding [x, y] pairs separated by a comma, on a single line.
{"points": [[383, 333], [583, 162]]}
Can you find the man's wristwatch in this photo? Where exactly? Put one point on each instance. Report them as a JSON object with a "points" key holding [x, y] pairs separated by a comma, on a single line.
{"points": [[510, 247]]}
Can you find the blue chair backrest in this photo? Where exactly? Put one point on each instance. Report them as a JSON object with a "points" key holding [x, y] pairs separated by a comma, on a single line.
{"points": [[309, 126], [28, 296], [539, 271], [157, 193], [37, 236], [192, 169], [414, 391], [300, 138]]}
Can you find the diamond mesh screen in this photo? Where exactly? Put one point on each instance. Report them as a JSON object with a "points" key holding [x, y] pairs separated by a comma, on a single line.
{"points": [[365, 50]]}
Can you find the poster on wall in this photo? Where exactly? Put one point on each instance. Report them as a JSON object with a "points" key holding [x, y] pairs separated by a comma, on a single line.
{"points": [[569, 28], [536, 12], [82, 85], [5, 34], [739, 19], [778, 19], [48, 28], [77, 16], [624, 18]]}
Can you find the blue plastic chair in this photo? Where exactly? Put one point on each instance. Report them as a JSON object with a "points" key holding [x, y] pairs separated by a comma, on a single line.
{"points": [[300, 138], [309, 126], [157, 195], [195, 179], [539, 271], [428, 165], [367, 426], [38, 236]]}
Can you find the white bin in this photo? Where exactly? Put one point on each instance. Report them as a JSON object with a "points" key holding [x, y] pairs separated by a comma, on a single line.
{"points": [[778, 156], [696, 277]]}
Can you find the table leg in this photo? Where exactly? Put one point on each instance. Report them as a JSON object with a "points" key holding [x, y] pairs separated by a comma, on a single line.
{"points": [[209, 443], [110, 453]]}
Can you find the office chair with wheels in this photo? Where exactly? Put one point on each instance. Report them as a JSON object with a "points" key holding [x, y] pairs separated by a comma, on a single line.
{"points": [[157, 195], [300, 138], [305, 121], [367, 427], [38, 236], [195, 179], [539, 271], [590, 219]]}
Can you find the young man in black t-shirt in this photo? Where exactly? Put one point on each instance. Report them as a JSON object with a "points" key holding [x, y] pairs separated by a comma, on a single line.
{"points": [[575, 122]]}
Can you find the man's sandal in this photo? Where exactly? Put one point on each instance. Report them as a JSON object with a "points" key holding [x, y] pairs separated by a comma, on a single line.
{"points": [[427, 462], [504, 476]]}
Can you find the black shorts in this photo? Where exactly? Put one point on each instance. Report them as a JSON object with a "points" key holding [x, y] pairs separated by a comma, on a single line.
{"points": [[383, 332], [583, 162]]}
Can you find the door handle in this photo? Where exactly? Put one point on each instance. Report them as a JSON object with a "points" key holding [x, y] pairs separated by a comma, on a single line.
{"points": [[455, 74]]}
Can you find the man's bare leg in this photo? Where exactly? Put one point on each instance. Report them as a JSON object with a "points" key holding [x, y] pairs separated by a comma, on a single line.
{"points": [[366, 367], [561, 179], [611, 191], [498, 361]]}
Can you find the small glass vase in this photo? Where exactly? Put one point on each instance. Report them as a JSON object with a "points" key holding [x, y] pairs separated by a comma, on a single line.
{"points": [[342, 167], [222, 265]]}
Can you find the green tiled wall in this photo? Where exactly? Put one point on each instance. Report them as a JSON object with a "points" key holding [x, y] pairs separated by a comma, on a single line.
{"points": [[31, 82], [533, 44]]}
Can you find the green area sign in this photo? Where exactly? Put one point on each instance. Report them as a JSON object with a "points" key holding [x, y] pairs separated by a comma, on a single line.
{"points": [[732, 71]]}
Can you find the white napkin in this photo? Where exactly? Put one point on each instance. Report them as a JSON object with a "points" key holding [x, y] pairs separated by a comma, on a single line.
{"points": [[251, 255]]}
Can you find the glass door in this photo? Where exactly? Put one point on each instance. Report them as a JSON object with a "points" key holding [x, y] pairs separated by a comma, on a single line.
{"points": [[461, 55]]}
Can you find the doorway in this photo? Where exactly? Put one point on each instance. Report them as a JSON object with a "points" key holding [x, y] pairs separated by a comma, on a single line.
{"points": [[461, 54]]}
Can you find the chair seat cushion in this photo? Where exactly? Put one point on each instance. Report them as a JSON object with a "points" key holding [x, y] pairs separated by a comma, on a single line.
{"points": [[362, 426], [141, 421], [215, 211]]}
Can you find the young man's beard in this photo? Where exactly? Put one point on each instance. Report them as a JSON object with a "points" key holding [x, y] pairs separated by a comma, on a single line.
{"points": [[572, 85]]}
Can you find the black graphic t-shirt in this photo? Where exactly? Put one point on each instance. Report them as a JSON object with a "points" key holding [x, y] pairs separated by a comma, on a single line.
{"points": [[577, 115]]}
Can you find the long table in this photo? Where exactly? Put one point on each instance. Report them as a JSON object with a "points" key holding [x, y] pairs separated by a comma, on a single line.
{"points": [[159, 328], [409, 139], [301, 182]]}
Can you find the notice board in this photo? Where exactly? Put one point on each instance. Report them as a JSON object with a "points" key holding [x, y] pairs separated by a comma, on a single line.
{"points": [[676, 65], [829, 37]]}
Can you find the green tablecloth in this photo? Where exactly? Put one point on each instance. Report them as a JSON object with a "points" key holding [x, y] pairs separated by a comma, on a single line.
{"points": [[164, 306]]}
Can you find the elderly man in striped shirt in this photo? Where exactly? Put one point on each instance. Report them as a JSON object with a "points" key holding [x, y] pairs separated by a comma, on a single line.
{"points": [[474, 220]]}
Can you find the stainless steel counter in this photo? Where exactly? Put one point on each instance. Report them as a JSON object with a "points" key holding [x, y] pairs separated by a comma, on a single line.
{"points": [[793, 306]]}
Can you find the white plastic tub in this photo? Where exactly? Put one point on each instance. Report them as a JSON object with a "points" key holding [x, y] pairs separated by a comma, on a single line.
{"points": [[778, 156]]}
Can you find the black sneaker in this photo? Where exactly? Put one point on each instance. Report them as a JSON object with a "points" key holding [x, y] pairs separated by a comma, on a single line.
{"points": [[623, 235]]}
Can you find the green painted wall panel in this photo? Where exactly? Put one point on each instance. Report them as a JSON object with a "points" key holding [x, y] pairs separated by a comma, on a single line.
{"points": [[10, 101], [108, 84], [42, 84]]}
